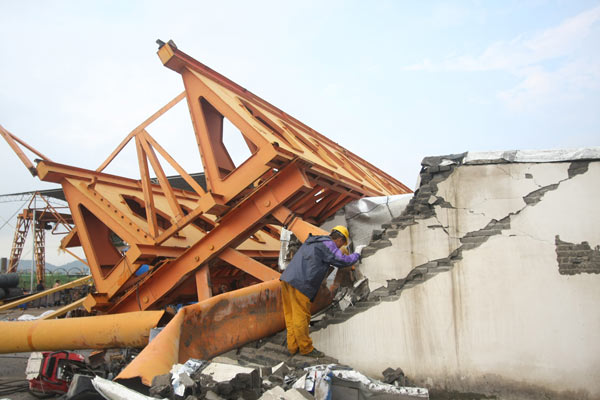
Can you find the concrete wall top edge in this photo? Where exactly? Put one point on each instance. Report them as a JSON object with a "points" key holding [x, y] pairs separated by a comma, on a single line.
{"points": [[515, 156]]}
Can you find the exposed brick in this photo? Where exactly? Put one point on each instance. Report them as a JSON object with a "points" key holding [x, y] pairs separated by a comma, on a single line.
{"points": [[380, 244], [577, 258], [350, 311], [469, 246], [535, 196], [336, 320], [484, 232], [366, 304], [391, 233], [578, 167]]}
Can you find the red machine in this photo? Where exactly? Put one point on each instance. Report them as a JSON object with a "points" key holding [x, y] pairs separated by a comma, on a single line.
{"points": [[56, 372]]}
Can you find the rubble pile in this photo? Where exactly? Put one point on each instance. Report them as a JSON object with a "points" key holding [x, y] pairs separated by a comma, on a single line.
{"points": [[264, 370]]}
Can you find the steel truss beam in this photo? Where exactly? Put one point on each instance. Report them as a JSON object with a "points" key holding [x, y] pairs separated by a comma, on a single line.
{"points": [[149, 245]]}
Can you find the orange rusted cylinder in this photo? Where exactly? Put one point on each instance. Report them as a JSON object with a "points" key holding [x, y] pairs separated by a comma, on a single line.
{"points": [[214, 326], [98, 332]]}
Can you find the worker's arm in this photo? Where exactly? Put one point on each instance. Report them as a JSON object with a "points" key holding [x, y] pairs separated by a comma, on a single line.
{"points": [[338, 259]]}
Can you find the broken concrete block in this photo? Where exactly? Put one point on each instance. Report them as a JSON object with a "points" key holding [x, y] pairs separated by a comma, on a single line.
{"points": [[394, 376], [224, 388], [210, 395], [225, 372], [275, 380], [298, 394], [186, 381], [81, 387], [379, 244], [281, 370], [276, 393], [226, 360], [161, 386], [246, 381]]}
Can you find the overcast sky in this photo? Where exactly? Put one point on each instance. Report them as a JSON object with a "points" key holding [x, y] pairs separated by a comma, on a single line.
{"points": [[392, 81]]}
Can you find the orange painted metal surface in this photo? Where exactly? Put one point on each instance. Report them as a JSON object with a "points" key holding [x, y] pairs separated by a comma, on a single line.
{"points": [[217, 240], [214, 326], [99, 332]]}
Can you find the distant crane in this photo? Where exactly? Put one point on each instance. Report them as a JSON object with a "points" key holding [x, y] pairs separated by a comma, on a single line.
{"points": [[46, 217]]}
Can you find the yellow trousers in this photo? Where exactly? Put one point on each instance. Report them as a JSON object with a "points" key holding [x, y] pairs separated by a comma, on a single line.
{"points": [[296, 311]]}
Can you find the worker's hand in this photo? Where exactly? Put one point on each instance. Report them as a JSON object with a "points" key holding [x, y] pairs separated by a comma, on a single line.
{"points": [[359, 248]]}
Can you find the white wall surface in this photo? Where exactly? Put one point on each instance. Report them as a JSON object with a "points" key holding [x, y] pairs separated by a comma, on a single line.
{"points": [[503, 310]]}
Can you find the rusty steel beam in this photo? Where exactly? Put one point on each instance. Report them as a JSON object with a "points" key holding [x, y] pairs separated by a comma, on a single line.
{"points": [[212, 327]]}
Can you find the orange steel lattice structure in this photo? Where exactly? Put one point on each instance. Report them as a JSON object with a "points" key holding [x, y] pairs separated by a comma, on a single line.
{"points": [[221, 236], [46, 217]]}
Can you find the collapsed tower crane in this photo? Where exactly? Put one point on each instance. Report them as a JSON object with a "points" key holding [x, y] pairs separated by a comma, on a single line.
{"points": [[182, 245]]}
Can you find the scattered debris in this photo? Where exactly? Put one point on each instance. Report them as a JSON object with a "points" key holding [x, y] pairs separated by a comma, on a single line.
{"points": [[181, 378], [82, 387], [114, 391], [29, 317], [296, 378]]}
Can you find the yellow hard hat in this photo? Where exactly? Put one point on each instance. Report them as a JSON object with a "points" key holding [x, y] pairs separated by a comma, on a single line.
{"points": [[344, 231]]}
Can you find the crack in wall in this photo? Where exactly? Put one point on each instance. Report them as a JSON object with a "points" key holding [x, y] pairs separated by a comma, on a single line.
{"points": [[420, 207]]}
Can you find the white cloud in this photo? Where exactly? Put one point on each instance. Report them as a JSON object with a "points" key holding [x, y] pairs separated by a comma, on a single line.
{"points": [[577, 58], [540, 87], [523, 51]]}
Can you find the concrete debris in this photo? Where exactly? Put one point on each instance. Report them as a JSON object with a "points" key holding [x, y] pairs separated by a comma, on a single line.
{"points": [[161, 386], [350, 296], [338, 382], [115, 391], [277, 393], [181, 378], [82, 387], [253, 372], [395, 376]]}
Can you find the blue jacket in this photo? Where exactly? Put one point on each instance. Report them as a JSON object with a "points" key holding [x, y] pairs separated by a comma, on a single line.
{"points": [[309, 265]]}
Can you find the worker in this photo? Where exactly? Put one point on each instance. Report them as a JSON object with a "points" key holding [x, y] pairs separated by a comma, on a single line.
{"points": [[302, 278], [57, 294]]}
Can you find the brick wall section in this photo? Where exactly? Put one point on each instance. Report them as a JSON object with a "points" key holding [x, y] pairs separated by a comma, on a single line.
{"points": [[577, 258]]}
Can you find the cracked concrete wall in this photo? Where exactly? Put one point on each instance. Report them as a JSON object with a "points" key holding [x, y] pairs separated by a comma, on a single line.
{"points": [[469, 286]]}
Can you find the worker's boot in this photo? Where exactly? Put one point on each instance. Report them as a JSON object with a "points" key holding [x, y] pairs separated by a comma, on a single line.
{"points": [[315, 354]]}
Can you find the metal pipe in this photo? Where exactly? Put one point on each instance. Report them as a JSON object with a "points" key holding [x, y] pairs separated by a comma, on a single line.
{"points": [[72, 284], [98, 332], [214, 326]]}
